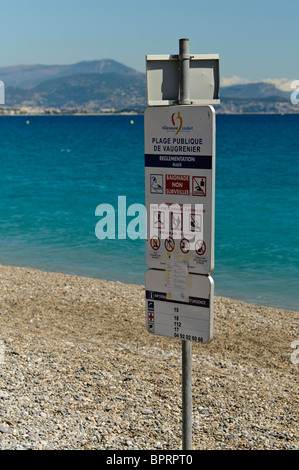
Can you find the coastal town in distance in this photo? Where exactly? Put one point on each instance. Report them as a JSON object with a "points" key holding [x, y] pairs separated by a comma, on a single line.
{"points": [[106, 86]]}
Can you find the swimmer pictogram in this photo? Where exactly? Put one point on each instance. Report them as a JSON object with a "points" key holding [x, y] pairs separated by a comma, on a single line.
{"points": [[156, 184]]}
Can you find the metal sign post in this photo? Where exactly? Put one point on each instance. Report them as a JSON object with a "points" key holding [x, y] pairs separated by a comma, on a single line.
{"points": [[184, 91], [180, 193]]}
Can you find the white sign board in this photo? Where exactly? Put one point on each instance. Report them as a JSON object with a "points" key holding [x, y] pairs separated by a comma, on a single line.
{"points": [[162, 78], [179, 305], [180, 187]]}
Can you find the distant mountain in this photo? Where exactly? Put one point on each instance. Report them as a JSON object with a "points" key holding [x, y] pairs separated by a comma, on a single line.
{"points": [[258, 90], [89, 85], [26, 76], [92, 86]]}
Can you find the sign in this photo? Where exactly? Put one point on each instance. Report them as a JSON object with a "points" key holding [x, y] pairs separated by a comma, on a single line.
{"points": [[180, 186], [180, 172], [179, 305], [162, 76]]}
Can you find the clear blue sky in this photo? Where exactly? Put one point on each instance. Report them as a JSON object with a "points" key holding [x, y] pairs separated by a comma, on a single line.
{"points": [[255, 39]]}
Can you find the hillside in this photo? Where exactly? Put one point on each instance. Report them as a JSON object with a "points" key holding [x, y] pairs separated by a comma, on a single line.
{"points": [[258, 90], [92, 91]]}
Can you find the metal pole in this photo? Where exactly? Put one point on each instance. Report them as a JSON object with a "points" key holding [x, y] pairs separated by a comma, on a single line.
{"points": [[187, 394], [184, 58], [184, 98]]}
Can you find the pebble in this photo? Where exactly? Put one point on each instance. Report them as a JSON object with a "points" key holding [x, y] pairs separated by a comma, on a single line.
{"points": [[147, 412], [3, 429]]}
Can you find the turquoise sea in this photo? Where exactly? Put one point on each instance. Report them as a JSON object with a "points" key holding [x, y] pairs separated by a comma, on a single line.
{"points": [[55, 171]]}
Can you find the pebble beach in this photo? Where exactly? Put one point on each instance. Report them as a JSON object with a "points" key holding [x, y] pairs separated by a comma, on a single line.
{"points": [[79, 371]]}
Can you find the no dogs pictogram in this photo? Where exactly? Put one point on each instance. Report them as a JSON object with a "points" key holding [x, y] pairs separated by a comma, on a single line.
{"points": [[200, 247]]}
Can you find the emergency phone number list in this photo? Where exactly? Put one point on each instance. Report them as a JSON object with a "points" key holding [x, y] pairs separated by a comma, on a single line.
{"points": [[177, 325]]}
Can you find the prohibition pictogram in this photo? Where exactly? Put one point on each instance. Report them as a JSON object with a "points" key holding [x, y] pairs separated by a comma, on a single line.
{"points": [[199, 186], [200, 247], [185, 245], [155, 243], [169, 244]]}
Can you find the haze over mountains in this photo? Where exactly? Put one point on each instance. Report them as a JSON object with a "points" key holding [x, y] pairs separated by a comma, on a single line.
{"points": [[109, 85]]}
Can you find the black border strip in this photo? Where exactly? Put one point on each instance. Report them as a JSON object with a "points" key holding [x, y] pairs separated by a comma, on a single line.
{"points": [[161, 296], [200, 162]]}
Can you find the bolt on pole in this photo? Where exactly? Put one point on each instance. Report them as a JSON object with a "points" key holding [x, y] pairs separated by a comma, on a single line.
{"points": [[184, 98]]}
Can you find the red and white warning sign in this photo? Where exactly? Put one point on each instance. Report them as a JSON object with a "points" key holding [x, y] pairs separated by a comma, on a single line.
{"points": [[180, 187], [199, 186], [177, 185]]}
